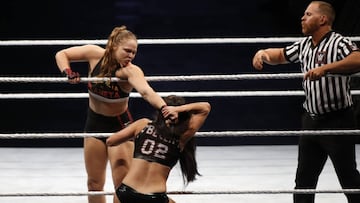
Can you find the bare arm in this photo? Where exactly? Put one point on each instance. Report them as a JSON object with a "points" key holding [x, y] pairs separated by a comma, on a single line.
{"points": [[129, 132], [136, 78], [272, 56], [199, 112], [90, 53], [348, 65]]}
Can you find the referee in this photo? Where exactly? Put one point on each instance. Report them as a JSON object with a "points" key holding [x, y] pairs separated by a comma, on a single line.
{"points": [[326, 59]]}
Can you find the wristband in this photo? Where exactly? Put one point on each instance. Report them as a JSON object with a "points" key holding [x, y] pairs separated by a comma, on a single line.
{"points": [[70, 74], [66, 72]]}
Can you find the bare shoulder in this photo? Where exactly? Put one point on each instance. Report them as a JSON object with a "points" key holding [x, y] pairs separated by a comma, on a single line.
{"points": [[129, 71], [83, 53], [87, 48], [143, 121], [93, 53], [133, 67], [140, 124], [94, 50]]}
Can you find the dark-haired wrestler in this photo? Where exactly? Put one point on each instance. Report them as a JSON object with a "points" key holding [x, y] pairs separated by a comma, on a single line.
{"points": [[159, 144]]}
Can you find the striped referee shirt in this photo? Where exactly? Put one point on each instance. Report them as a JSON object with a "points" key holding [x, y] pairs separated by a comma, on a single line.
{"points": [[329, 93]]}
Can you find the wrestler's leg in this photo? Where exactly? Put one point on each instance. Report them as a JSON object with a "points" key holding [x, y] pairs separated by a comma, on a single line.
{"points": [[120, 159], [171, 200], [95, 156]]}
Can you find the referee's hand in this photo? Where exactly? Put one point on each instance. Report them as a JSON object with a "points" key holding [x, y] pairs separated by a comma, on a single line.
{"points": [[314, 74]]}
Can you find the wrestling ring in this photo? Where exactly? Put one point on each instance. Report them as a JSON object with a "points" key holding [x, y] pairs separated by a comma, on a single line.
{"points": [[231, 173]]}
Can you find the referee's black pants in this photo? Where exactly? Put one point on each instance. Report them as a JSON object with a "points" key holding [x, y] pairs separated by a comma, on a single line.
{"points": [[314, 150]]}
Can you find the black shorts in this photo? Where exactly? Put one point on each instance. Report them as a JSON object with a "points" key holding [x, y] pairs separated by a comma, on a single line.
{"points": [[97, 123], [127, 194]]}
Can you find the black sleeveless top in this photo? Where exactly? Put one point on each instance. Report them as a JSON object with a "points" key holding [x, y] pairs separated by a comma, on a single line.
{"points": [[153, 147], [105, 90]]}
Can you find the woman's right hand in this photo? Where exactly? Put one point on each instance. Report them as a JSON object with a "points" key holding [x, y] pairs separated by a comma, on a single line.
{"points": [[73, 77], [169, 112]]}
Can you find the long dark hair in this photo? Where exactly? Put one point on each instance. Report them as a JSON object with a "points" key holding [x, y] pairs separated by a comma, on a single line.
{"points": [[187, 158]]}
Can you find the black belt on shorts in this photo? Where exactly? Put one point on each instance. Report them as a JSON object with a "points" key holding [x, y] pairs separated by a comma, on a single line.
{"points": [[330, 114]]}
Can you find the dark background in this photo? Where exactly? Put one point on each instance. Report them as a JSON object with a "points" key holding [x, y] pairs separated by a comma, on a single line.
{"points": [[150, 19]]}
